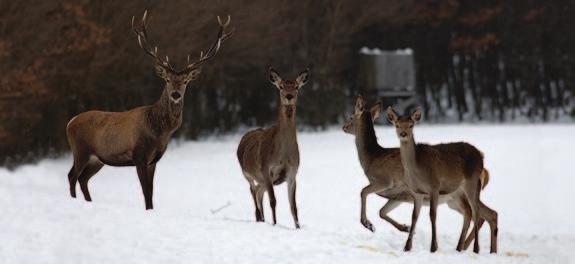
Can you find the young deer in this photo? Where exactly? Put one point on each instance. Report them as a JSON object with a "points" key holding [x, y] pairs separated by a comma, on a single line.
{"points": [[435, 172], [270, 156], [385, 173], [137, 137]]}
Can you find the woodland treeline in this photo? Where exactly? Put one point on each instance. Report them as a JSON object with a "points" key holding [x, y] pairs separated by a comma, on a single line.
{"points": [[476, 60]]}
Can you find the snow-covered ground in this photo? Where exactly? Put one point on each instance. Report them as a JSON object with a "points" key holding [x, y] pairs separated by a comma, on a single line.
{"points": [[531, 186]]}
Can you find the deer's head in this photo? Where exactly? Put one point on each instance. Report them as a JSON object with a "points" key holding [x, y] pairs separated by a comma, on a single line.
{"points": [[404, 124], [360, 115], [288, 89], [177, 80]]}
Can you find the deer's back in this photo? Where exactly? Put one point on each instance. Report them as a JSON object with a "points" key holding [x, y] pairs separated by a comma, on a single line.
{"points": [[472, 157]]}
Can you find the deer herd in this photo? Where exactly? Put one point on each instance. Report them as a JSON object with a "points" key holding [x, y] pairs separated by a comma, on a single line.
{"points": [[416, 173]]}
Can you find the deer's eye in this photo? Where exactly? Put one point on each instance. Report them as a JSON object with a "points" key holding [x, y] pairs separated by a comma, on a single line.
{"points": [[397, 126], [410, 126]]}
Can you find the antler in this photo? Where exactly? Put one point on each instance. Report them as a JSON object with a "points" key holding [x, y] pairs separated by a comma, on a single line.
{"points": [[145, 45], [213, 50]]}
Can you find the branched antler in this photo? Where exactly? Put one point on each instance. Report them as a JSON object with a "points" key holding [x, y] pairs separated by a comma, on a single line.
{"points": [[145, 44], [213, 50], [204, 56]]}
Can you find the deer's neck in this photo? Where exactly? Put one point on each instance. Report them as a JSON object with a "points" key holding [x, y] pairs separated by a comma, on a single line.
{"points": [[286, 134], [165, 115], [366, 142], [408, 155]]}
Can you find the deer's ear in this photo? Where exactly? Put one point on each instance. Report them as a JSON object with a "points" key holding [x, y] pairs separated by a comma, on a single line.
{"points": [[359, 104], [391, 115], [161, 71], [416, 116], [275, 78], [302, 78], [376, 110], [193, 74]]}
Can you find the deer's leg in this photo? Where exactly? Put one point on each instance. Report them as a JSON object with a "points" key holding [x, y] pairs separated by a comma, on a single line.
{"points": [[460, 205], [260, 190], [388, 207], [91, 169], [371, 188], [433, 200], [253, 191], [471, 236], [151, 171], [417, 202], [491, 216], [72, 182], [292, 202], [472, 188], [80, 161], [272, 197], [143, 177]]}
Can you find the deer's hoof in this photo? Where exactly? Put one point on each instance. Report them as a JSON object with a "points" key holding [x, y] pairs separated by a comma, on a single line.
{"points": [[433, 248], [407, 246], [297, 226], [367, 224]]}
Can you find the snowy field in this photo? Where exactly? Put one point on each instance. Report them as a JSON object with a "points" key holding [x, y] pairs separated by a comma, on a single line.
{"points": [[205, 214]]}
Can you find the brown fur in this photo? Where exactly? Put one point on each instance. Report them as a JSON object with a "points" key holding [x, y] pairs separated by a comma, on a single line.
{"points": [[270, 156], [434, 171], [384, 170], [137, 137]]}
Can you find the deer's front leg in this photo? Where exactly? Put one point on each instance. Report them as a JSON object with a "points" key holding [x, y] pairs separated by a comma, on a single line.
{"points": [[417, 202], [141, 159], [143, 177], [371, 188], [292, 202], [433, 202]]}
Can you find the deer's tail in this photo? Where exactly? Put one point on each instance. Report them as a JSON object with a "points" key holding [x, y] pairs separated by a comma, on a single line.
{"points": [[484, 178]]}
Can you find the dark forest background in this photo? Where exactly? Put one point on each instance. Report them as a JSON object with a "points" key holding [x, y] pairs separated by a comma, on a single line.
{"points": [[476, 60]]}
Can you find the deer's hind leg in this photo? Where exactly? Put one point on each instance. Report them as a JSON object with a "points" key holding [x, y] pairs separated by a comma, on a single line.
{"points": [[253, 190], [460, 205], [80, 161], [90, 170], [259, 192], [491, 216], [388, 207], [472, 189]]}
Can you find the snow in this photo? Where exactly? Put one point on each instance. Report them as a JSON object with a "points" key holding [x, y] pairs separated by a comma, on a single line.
{"points": [[204, 212]]}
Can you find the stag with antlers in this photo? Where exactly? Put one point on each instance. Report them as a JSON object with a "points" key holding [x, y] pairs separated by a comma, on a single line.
{"points": [[137, 137]]}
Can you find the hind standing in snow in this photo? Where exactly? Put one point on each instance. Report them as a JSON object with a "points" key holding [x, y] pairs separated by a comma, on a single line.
{"points": [[270, 156]]}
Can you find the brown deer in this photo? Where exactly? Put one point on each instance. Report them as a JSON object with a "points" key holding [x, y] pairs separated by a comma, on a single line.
{"points": [[384, 171], [138, 137], [270, 156], [436, 172]]}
